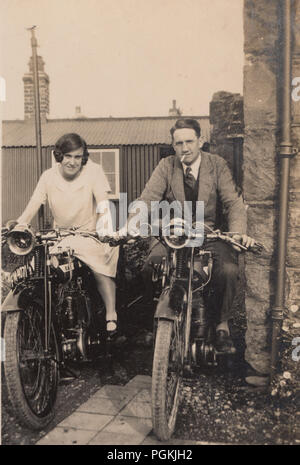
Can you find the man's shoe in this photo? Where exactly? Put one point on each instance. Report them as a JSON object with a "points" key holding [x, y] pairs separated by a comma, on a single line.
{"points": [[224, 342], [255, 378]]}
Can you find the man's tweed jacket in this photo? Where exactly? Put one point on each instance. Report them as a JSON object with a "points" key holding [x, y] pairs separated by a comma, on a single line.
{"points": [[166, 183]]}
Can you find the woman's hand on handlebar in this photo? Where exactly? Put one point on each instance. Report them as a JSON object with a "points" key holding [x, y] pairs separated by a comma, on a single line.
{"points": [[126, 231], [123, 236], [11, 224]]}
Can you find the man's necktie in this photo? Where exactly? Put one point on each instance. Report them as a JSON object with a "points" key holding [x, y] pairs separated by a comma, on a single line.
{"points": [[189, 178]]}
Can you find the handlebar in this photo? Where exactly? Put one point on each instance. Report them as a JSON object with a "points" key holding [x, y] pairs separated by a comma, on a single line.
{"points": [[116, 240], [226, 237], [53, 234]]}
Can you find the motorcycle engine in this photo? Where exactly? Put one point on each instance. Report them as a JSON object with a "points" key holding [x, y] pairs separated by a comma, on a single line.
{"points": [[76, 319]]}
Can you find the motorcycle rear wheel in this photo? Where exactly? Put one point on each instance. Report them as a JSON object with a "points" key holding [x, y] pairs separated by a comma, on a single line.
{"points": [[31, 377], [166, 378]]}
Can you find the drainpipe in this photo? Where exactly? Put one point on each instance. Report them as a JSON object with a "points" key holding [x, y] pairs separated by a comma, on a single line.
{"points": [[286, 152]]}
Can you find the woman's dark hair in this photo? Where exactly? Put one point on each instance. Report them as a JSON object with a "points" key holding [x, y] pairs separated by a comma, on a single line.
{"points": [[188, 123], [67, 143]]}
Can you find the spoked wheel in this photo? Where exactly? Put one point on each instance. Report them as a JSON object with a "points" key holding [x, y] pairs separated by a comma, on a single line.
{"points": [[166, 377], [31, 374]]}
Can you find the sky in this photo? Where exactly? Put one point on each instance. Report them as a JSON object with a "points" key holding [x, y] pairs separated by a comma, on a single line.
{"points": [[123, 57]]}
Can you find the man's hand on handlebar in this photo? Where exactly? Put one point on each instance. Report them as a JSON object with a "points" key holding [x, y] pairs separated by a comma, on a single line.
{"points": [[245, 240]]}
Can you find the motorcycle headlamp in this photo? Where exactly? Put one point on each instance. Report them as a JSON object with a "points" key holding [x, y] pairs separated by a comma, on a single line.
{"points": [[21, 240], [176, 233]]}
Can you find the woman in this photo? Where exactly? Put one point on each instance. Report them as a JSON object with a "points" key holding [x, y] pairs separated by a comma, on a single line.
{"points": [[74, 187]]}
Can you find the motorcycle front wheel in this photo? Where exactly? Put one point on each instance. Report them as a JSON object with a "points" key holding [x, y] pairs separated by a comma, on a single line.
{"points": [[31, 374], [166, 378]]}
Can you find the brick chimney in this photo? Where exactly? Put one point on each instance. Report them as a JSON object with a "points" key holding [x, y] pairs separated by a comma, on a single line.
{"points": [[29, 92], [174, 111]]}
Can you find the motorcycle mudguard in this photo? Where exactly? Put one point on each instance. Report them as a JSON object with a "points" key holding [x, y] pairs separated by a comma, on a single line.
{"points": [[11, 302], [16, 301], [164, 309]]}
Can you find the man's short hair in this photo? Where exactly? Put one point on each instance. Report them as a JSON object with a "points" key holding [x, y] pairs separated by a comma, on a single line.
{"points": [[188, 123]]}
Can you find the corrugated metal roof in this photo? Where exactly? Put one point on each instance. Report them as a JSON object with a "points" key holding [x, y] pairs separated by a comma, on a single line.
{"points": [[97, 131]]}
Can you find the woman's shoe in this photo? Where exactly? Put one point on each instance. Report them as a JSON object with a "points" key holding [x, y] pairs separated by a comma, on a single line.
{"points": [[111, 329]]}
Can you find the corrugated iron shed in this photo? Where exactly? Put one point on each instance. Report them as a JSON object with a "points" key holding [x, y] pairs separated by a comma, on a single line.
{"points": [[98, 131]]}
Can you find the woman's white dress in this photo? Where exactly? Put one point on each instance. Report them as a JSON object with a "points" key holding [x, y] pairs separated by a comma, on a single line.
{"points": [[73, 204]]}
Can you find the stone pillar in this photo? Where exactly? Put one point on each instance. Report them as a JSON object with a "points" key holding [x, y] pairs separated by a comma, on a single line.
{"points": [[262, 83], [29, 91], [227, 119], [293, 246], [226, 115]]}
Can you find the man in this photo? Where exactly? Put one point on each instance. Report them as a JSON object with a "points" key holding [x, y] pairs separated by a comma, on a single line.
{"points": [[193, 174]]}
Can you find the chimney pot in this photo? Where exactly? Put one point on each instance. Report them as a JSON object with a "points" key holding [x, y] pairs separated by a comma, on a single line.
{"points": [[174, 111]]}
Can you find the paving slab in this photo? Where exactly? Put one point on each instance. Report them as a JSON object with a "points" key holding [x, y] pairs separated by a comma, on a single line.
{"points": [[86, 421], [137, 409], [112, 391], [114, 415], [129, 426], [66, 437], [116, 439], [143, 381], [144, 395], [103, 406]]}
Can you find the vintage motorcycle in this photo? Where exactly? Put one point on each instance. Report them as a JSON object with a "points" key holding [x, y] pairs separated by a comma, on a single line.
{"points": [[185, 328], [53, 316]]}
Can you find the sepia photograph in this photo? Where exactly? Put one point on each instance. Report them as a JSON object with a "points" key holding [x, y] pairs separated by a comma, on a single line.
{"points": [[150, 210]]}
